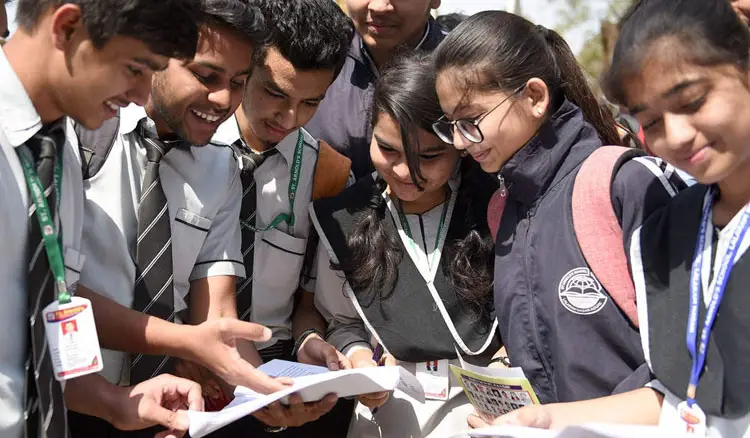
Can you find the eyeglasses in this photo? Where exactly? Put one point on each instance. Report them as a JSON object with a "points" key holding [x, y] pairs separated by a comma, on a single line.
{"points": [[469, 128]]}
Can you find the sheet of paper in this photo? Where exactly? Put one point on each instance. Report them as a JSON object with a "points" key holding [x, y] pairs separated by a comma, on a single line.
{"points": [[311, 387], [495, 391], [284, 368], [582, 431]]}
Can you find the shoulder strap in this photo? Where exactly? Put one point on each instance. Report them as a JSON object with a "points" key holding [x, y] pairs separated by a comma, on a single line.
{"points": [[96, 145], [331, 172], [598, 230]]}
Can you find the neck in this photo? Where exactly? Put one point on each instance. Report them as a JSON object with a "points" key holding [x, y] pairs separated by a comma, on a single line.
{"points": [[734, 195], [384, 56], [247, 134], [32, 72], [426, 202]]}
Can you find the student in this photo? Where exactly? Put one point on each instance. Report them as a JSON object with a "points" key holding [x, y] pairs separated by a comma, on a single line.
{"points": [[284, 168], [532, 120], [384, 29], [168, 244], [693, 105], [415, 259], [56, 56]]}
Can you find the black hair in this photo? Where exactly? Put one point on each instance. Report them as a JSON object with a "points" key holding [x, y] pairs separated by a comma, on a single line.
{"points": [[704, 32], [449, 21], [167, 27], [238, 16], [311, 34], [406, 93], [497, 50]]}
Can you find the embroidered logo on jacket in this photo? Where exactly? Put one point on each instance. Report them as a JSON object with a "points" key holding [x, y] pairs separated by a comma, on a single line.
{"points": [[581, 293]]}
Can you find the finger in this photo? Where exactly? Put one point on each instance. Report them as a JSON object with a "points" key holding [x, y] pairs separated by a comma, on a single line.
{"points": [[279, 414], [246, 330], [475, 422], [344, 361], [250, 377], [172, 420], [331, 357], [298, 411], [324, 406], [390, 361], [189, 391], [264, 417]]}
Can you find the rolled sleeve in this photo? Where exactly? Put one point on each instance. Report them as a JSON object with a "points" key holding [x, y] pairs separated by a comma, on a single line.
{"points": [[221, 253], [345, 327]]}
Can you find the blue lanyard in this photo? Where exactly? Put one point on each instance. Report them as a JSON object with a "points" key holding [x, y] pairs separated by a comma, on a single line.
{"points": [[716, 288]]}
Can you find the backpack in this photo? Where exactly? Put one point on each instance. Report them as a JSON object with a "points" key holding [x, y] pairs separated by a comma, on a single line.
{"points": [[596, 226]]}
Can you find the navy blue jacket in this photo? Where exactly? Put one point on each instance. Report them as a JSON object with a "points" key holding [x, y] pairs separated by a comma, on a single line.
{"points": [[343, 118], [556, 320]]}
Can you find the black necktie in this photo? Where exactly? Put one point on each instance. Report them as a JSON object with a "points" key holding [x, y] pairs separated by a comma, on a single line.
{"points": [[250, 161], [154, 285], [44, 403]]}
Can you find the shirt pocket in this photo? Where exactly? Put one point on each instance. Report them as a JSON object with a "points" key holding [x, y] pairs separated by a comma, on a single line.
{"points": [[74, 261], [276, 274], [189, 231]]}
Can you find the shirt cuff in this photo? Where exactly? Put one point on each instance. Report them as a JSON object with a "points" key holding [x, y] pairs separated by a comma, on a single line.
{"points": [[217, 268], [355, 347], [657, 386]]}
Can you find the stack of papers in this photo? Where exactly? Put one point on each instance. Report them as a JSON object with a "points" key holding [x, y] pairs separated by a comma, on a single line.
{"points": [[582, 431], [312, 384]]}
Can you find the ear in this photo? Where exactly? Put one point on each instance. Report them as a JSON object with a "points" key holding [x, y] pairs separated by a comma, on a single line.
{"points": [[66, 22], [434, 4], [536, 94]]}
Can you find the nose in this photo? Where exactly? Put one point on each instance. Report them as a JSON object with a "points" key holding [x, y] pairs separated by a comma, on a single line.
{"points": [[287, 118], [221, 98], [380, 6], [140, 90], [459, 141], [401, 170], [679, 133]]}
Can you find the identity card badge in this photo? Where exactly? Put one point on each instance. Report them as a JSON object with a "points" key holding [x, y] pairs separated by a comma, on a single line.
{"points": [[434, 377], [693, 419]]}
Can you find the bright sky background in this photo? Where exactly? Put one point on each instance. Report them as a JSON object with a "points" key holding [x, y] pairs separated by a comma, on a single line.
{"points": [[539, 11]]}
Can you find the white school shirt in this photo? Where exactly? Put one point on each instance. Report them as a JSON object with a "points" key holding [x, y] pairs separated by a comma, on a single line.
{"points": [[279, 252], [19, 121], [203, 193]]}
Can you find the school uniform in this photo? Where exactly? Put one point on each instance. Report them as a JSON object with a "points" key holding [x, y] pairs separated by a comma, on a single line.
{"points": [[557, 321], [201, 191], [661, 255], [343, 117], [19, 122], [276, 254], [422, 320]]}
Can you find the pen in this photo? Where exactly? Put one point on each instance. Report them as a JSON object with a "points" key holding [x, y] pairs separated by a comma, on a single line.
{"points": [[377, 355]]}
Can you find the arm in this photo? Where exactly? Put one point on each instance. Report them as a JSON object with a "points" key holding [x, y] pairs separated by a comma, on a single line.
{"points": [[641, 406]]}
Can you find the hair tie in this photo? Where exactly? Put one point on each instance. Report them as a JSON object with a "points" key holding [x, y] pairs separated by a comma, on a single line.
{"points": [[546, 34]]}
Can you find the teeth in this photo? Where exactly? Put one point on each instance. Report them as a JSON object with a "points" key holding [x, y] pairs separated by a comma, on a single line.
{"points": [[112, 105], [207, 117]]}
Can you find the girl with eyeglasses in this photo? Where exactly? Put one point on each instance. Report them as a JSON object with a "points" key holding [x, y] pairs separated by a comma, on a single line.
{"points": [[515, 99], [682, 67], [405, 262]]}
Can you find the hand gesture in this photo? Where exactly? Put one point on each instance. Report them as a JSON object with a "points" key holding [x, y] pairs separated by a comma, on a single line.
{"points": [[315, 351]]}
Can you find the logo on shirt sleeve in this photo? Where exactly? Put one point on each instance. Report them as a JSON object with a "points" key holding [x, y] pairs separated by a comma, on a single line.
{"points": [[581, 293]]}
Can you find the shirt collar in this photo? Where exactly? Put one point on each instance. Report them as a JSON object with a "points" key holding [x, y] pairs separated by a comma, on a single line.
{"points": [[19, 120], [131, 115]]}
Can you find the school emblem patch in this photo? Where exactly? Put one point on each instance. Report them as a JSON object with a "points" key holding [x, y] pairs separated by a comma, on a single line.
{"points": [[581, 293]]}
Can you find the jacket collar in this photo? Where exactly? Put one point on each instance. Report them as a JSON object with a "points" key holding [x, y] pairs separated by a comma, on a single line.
{"points": [[562, 143]]}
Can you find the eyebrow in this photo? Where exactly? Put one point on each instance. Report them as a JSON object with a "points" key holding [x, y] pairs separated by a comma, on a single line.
{"points": [[435, 148], [150, 64], [383, 142], [467, 108], [669, 93], [220, 69]]}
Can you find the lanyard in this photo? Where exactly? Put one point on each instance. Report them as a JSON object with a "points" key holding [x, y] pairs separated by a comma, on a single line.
{"points": [[407, 229], [293, 185], [716, 288], [52, 245]]}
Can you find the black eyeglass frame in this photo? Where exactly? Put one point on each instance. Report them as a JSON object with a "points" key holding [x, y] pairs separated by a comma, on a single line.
{"points": [[473, 122]]}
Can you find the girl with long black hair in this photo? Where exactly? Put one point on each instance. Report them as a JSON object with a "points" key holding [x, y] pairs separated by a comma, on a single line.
{"points": [[407, 261]]}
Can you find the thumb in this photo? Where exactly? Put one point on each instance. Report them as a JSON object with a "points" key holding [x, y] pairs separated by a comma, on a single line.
{"points": [[246, 330], [176, 421], [331, 357]]}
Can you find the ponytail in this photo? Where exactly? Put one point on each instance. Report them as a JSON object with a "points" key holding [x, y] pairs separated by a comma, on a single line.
{"points": [[518, 51]]}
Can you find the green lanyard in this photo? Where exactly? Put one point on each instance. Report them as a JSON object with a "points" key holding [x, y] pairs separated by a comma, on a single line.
{"points": [[407, 230], [293, 185], [52, 244]]}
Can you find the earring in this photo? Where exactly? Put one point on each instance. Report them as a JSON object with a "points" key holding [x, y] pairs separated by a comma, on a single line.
{"points": [[464, 154]]}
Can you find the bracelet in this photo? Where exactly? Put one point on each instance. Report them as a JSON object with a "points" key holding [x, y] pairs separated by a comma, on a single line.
{"points": [[270, 429], [503, 359], [302, 338]]}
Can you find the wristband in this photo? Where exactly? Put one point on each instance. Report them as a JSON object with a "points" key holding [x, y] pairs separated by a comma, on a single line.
{"points": [[503, 359], [302, 338]]}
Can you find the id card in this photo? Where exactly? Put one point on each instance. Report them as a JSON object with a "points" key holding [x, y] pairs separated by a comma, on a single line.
{"points": [[72, 339], [434, 377], [693, 419]]}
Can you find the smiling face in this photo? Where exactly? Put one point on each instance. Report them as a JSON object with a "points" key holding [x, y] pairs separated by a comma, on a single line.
{"points": [[192, 98], [696, 118], [437, 161], [279, 98], [387, 24]]}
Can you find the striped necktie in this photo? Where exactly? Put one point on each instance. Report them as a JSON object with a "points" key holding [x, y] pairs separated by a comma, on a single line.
{"points": [[44, 403], [250, 162], [154, 285]]}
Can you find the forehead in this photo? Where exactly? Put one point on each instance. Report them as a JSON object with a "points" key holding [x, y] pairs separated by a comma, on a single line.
{"points": [[223, 48], [122, 48], [398, 5], [302, 84]]}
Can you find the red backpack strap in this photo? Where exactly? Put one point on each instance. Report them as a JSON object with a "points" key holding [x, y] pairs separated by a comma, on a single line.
{"points": [[598, 230]]}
